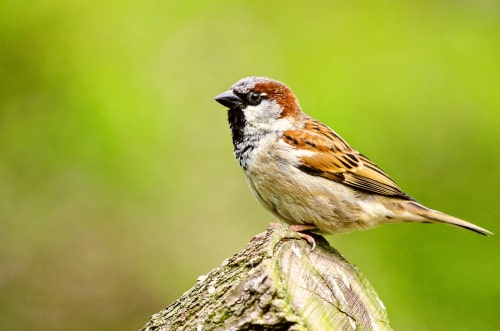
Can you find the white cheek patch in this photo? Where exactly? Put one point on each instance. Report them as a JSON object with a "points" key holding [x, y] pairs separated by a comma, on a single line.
{"points": [[264, 120], [262, 113]]}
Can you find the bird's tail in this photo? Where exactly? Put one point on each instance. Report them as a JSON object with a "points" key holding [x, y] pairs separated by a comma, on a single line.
{"points": [[435, 216]]}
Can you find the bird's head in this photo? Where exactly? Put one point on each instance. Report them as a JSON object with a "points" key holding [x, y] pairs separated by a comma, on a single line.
{"points": [[260, 100]]}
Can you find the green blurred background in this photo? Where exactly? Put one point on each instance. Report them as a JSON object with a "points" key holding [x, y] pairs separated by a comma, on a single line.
{"points": [[119, 188]]}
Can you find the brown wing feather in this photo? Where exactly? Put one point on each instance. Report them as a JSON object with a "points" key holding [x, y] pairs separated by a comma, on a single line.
{"points": [[334, 159]]}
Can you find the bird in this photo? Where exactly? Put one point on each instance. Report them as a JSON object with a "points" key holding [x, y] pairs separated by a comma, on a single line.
{"points": [[305, 174]]}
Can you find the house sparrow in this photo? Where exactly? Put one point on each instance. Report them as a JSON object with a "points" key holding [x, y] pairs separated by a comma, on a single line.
{"points": [[307, 175]]}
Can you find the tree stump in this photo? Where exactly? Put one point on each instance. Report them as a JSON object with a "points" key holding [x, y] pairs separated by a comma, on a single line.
{"points": [[278, 283]]}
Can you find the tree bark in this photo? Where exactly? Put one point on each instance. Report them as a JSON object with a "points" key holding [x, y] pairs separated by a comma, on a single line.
{"points": [[278, 283]]}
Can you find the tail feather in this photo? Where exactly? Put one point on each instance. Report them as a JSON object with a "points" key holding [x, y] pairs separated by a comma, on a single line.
{"points": [[437, 216]]}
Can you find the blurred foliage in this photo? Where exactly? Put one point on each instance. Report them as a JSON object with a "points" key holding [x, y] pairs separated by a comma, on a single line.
{"points": [[119, 187]]}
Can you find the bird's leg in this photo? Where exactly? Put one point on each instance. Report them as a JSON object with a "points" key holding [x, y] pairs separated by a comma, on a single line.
{"points": [[305, 227]]}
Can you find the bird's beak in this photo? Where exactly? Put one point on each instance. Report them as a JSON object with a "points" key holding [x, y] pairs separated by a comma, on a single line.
{"points": [[229, 99]]}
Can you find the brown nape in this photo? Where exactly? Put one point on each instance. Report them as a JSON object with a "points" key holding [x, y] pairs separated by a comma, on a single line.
{"points": [[283, 96]]}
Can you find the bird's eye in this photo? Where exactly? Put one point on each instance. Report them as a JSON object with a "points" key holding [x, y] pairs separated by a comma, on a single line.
{"points": [[254, 98]]}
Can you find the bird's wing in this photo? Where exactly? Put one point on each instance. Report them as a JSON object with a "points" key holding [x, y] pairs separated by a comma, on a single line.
{"points": [[324, 153]]}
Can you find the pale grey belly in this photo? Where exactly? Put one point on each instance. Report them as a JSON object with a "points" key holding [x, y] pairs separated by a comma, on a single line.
{"points": [[298, 198]]}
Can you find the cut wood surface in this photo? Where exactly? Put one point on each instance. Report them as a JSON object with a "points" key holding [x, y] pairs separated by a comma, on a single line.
{"points": [[277, 283]]}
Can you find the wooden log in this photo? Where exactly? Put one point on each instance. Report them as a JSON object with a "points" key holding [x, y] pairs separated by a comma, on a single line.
{"points": [[278, 283]]}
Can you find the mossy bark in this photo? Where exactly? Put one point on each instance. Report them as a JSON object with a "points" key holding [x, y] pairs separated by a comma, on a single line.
{"points": [[278, 283]]}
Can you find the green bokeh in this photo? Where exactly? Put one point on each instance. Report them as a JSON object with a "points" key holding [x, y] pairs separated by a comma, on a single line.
{"points": [[118, 184]]}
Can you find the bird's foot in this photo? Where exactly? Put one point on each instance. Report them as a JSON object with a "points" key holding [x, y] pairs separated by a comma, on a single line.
{"points": [[305, 227]]}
